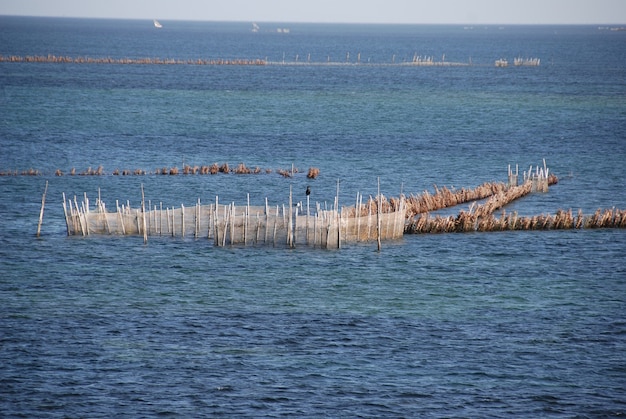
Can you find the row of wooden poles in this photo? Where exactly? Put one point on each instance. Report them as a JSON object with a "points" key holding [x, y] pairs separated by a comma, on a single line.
{"points": [[240, 169], [64, 59], [377, 219], [50, 58], [416, 60]]}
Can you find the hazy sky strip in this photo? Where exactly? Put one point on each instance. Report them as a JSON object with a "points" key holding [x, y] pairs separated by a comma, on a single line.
{"points": [[335, 11]]}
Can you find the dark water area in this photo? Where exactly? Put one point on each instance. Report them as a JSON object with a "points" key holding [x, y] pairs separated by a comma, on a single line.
{"points": [[452, 325]]}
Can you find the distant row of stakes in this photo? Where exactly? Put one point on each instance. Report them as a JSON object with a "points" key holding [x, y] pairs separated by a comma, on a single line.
{"points": [[213, 169]]}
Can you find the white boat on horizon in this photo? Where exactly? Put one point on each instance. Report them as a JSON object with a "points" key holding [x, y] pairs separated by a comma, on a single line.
{"points": [[157, 24]]}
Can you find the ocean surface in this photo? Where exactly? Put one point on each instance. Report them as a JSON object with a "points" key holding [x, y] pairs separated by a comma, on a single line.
{"points": [[525, 324]]}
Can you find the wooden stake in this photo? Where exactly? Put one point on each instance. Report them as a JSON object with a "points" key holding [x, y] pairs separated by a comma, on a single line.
{"points": [[167, 218], [275, 222], [295, 225], [43, 203], [173, 223], [290, 231], [267, 219], [246, 221], [104, 215], [67, 223], [80, 219], [182, 219], [258, 227], [216, 231], [338, 218], [315, 229], [357, 214], [233, 213], [197, 223], [307, 219], [209, 221], [378, 216], [121, 217], [143, 216]]}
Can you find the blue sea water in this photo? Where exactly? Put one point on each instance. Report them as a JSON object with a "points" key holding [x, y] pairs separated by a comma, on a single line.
{"points": [[528, 324]]}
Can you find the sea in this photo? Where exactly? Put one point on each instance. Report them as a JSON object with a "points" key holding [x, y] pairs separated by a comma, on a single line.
{"points": [[502, 324]]}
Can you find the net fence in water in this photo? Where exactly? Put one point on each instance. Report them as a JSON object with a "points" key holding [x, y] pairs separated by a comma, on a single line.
{"points": [[243, 225]]}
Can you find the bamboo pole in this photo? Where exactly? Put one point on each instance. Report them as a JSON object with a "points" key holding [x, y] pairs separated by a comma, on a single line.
{"points": [[387, 226], [182, 220], [167, 219], [285, 224], [225, 225], [138, 220], [258, 227], [338, 217], [73, 217], [307, 219], [290, 226], [173, 224], [85, 212], [121, 217], [80, 219], [67, 223], [395, 223], [369, 220], [231, 223], [43, 203], [267, 215], [328, 224], [99, 203], [295, 210], [227, 213], [216, 239], [275, 222], [197, 223], [378, 216], [356, 217], [315, 230], [153, 220], [160, 223], [149, 221], [245, 225], [106, 220], [143, 215], [209, 222]]}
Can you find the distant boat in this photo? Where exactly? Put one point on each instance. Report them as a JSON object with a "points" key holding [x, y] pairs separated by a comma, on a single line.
{"points": [[157, 24], [255, 27]]}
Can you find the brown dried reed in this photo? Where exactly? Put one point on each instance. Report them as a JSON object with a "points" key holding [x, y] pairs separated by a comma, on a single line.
{"points": [[444, 198], [561, 220], [313, 173], [242, 169]]}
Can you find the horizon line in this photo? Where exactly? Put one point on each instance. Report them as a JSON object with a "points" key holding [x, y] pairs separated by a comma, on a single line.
{"points": [[322, 22]]}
